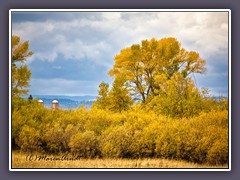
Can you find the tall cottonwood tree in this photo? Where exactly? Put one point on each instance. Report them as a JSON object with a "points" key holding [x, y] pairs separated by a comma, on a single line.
{"points": [[20, 72], [153, 61]]}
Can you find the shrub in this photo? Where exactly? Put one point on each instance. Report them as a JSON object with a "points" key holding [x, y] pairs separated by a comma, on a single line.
{"points": [[116, 141], [136, 133], [85, 145], [29, 139]]}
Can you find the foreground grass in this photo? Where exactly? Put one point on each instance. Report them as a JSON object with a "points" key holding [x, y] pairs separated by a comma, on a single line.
{"points": [[21, 160]]}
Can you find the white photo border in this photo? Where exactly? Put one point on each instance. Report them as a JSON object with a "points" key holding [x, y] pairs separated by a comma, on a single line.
{"points": [[121, 10]]}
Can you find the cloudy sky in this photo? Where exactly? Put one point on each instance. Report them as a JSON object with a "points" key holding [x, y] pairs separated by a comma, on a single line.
{"points": [[73, 51]]}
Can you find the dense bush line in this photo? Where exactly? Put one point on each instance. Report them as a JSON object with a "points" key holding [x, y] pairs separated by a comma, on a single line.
{"points": [[130, 134]]}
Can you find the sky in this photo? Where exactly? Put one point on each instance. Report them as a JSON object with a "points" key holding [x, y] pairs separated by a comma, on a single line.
{"points": [[73, 51]]}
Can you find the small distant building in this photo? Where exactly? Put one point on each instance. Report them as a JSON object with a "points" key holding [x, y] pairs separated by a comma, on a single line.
{"points": [[54, 104], [40, 102]]}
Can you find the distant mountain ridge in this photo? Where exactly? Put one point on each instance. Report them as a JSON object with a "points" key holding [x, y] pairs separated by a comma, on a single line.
{"points": [[66, 102], [72, 102], [74, 98]]}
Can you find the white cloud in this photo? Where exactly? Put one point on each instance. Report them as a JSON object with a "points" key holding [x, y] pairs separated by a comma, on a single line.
{"points": [[97, 39]]}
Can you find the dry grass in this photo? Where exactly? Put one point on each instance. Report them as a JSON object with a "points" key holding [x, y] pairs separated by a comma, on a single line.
{"points": [[21, 160]]}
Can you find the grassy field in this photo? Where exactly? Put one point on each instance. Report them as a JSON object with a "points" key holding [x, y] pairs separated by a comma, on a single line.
{"points": [[21, 160]]}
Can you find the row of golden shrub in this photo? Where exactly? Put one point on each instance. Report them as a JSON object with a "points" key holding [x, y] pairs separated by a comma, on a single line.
{"points": [[131, 134]]}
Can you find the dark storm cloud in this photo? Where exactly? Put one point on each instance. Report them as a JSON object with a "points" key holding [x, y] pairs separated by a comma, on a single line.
{"points": [[18, 17]]}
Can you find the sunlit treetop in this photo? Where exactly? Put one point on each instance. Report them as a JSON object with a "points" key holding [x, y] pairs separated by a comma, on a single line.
{"points": [[143, 63]]}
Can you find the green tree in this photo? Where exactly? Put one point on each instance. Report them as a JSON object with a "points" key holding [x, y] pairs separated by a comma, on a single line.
{"points": [[119, 97], [178, 98], [20, 72], [102, 99], [144, 65]]}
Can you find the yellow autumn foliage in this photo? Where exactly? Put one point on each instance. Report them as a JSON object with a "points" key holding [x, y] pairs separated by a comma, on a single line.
{"points": [[136, 133]]}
